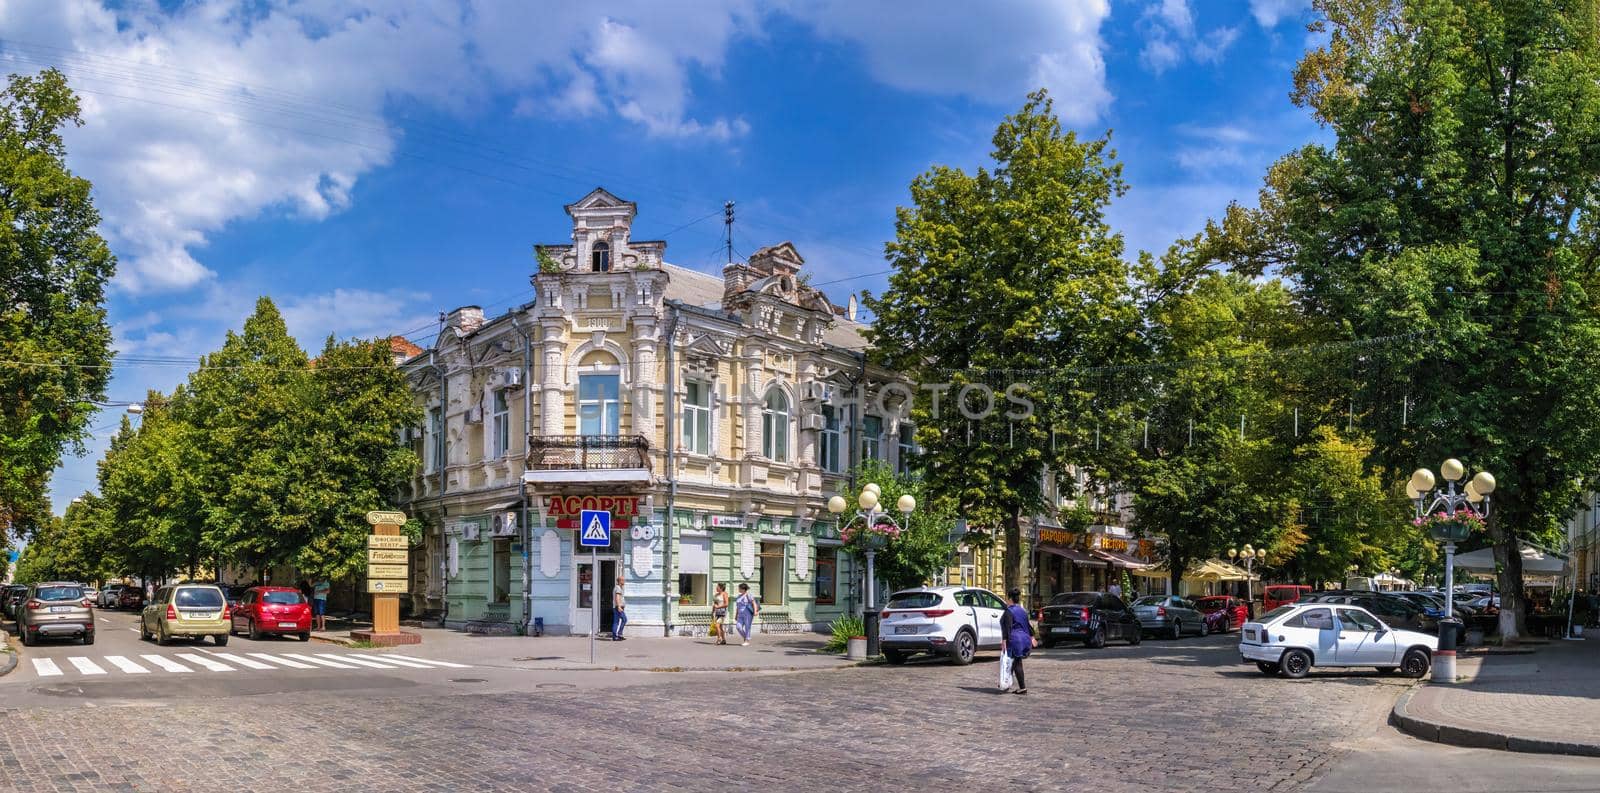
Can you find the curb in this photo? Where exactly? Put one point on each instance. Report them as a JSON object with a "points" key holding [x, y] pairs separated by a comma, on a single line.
{"points": [[333, 640], [1437, 732]]}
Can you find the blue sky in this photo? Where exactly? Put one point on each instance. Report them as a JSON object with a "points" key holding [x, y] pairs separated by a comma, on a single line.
{"points": [[371, 164]]}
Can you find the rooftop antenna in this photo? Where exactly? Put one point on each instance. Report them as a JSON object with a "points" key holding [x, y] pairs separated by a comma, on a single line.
{"points": [[727, 224]]}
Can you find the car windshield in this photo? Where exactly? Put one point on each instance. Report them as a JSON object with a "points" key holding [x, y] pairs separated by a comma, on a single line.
{"points": [[282, 598], [1075, 599], [59, 593], [914, 600], [1151, 600], [1275, 614], [202, 597]]}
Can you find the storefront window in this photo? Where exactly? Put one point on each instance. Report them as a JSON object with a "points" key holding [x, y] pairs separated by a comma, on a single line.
{"points": [[772, 576], [692, 589], [614, 548], [502, 570], [827, 579]]}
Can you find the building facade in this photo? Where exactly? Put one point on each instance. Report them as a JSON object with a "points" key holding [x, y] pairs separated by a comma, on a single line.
{"points": [[712, 416]]}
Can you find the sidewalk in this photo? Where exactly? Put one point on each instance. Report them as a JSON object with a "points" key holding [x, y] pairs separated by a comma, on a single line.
{"points": [[766, 653], [1542, 702]]}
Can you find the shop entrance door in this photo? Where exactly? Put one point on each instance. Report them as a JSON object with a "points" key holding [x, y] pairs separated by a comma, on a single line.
{"points": [[592, 588]]}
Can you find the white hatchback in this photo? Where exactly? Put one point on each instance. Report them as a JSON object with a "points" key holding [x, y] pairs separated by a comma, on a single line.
{"points": [[1291, 639], [953, 621]]}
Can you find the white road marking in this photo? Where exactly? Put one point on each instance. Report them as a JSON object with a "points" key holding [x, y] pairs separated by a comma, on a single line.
{"points": [[166, 663], [135, 630], [391, 659], [127, 666], [284, 661], [368, 662], [200, 660], [45, 667], [242, 661], [450, 664], [322, 659], [86, 666]]}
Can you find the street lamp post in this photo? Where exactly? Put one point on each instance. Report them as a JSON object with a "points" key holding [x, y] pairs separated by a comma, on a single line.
{"points": [[872, 515], [1249, 557], [1428, 498]]}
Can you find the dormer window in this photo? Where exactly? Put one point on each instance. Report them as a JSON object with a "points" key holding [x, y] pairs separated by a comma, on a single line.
{"points": [[600, 258]]}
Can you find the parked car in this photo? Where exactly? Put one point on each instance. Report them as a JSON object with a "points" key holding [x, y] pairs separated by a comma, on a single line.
{"points": [[1275, 595], [1089, 617], [56, 609], [107, 599], [272, 609], [192, 610], [1169, 615], [11, 598], [131, 597], [952, 621], [1486, 604], [1397, 612], [1223, 613], [1291, 640]]}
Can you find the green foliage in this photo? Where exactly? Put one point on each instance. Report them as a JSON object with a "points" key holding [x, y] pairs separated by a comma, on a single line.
{"points": [[547, 263], [923, 549], [1013, 268], [842, 631], [53, 271]]}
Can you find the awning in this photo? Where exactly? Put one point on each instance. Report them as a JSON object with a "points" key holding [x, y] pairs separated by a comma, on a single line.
{"points": [[1533, 561], [1227, 571], [1119, 559], [1208, 570], [1073, 555]]}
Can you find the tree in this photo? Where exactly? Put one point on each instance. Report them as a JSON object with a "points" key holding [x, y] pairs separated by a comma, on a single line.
{"points": [[55, 345], [923, 550], [151, 481], [998, 274], [1457, 203]]}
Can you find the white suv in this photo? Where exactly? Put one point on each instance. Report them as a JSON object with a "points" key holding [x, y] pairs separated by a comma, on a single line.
{"points": [[1291, 639], [944, 620]]}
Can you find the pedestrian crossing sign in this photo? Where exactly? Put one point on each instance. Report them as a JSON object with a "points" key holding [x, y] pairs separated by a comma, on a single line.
{"points": [[594, 528]]}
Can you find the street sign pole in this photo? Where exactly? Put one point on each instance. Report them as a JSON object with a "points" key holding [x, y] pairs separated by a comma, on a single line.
{"points": [[594, 533], [594, 599]]}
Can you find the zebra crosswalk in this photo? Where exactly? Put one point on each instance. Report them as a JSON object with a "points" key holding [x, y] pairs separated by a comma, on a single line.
{"points": [[216, 661]]}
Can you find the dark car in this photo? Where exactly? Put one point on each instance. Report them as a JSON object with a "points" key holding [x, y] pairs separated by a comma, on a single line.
{"points": [[130, 597], [11, 598], [1088, 617]]}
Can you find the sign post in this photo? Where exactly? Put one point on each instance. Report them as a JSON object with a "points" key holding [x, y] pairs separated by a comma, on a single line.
{"points": [[388, 577], [594, 533]]}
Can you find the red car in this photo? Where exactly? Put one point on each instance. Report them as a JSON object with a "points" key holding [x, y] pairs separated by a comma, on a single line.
{"points": [[1223, 612], [1275, 595], [272, 609]]}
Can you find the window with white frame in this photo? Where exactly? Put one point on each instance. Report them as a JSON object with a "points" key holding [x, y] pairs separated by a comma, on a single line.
{"points": [[599, 404], [435, 442], [600, 258], [871, 438], [906, 447], [697, 417], [828, 445], [775, 426], [499, 424]]}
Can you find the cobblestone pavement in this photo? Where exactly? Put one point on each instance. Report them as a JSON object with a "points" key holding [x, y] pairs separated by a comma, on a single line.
{"points": [[1552, 695], [1163, 716]]}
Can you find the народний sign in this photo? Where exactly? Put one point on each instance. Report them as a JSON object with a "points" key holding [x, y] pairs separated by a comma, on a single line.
{"points": [[398, 541], [388, 586], [387, 571], [387, 556]]}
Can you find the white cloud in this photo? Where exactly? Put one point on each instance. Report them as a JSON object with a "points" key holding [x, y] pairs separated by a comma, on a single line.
{"points": [[1168, 27], [1215, 44], [995, 52], [353, 313], [1269, 13]]}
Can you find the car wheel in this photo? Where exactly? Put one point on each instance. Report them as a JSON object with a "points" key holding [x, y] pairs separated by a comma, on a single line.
{"points": [[255, 631], [1386, 670], [1296, 664], [894, 657], [221, 639], [1097, 639], [1268, 669], [162, 638], [26, 642], [305, 637], [1176, 631], [88, 638], [144, 631], [966, 648], [1416, 662], [1134, 637], [1204, 630]]}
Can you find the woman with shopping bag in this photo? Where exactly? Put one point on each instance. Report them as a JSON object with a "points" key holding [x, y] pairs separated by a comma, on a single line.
{"points": [[1016, 642]]}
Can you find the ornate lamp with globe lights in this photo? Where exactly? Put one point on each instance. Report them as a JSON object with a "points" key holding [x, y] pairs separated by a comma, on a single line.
{"points": [[1449, 514], [1249, 557], [870, 513]]}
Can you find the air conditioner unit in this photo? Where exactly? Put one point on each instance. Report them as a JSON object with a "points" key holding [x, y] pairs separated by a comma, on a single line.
{"points": [[509, 378], [475, 414], [505, 524], [469, 531], [814, 391], [813, 421]]}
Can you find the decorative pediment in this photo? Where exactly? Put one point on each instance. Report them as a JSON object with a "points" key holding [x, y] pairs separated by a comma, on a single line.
{"points": [[601, 198], [709, 344]]}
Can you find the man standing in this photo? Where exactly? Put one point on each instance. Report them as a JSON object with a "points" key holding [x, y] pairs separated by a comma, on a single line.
{"points": [[319, 602], [619, 614]]}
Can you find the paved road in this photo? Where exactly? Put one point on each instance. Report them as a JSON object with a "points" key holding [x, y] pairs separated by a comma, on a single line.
{"points": [[1163, 716]]}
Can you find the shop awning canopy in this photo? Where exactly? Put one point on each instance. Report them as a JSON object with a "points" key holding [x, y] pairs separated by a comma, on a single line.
{"points": [[1533, 561], [1077, 557], [1119, 559], [1207, 570]]}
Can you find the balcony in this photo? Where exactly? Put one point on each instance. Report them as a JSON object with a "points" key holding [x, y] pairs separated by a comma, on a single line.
{"points": [[588, 459]]}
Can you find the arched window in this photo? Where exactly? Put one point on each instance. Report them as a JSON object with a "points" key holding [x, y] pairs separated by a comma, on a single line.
{"points": [[775, 427], [601, 258]]}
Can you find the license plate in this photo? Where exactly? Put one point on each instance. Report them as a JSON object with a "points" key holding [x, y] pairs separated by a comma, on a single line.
{"points": [[60, 609], [1060, 630], [1250, 635], [200, 615], [906, 629], [287, 624]]}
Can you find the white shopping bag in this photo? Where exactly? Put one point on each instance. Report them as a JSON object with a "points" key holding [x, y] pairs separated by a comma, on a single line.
{"points": [[1006, 678]]}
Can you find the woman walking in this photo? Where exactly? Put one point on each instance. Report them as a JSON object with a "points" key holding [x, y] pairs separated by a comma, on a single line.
{"points": [[1016, 637], [746, 609], [719, 612]]}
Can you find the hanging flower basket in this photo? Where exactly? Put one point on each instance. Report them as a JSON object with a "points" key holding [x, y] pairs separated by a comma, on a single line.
{"points": [[860, 537], [1447, 527]]}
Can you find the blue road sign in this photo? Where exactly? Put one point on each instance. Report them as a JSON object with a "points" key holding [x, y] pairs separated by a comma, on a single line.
{"points": [[594, 528]]}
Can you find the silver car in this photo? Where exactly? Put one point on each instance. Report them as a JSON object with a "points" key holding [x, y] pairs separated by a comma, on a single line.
{"points": [[56, 609], [1169, 615]]}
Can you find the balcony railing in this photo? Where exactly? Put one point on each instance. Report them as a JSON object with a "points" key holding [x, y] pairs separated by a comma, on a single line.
{"points": [[587, 452]]}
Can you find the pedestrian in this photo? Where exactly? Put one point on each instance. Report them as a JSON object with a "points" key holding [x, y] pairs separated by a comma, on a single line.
{"points": [[319, 602], [619, 613], [1115, 589], [719, 612], [1016, 636], [745, 611]]}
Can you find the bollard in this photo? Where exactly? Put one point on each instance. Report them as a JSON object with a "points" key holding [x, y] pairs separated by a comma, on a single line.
{"points": [[870, 619], [1444, 659]]}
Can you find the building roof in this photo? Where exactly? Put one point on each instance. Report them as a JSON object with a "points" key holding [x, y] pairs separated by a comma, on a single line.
{"points": [[403, 349], [693, 287]]}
